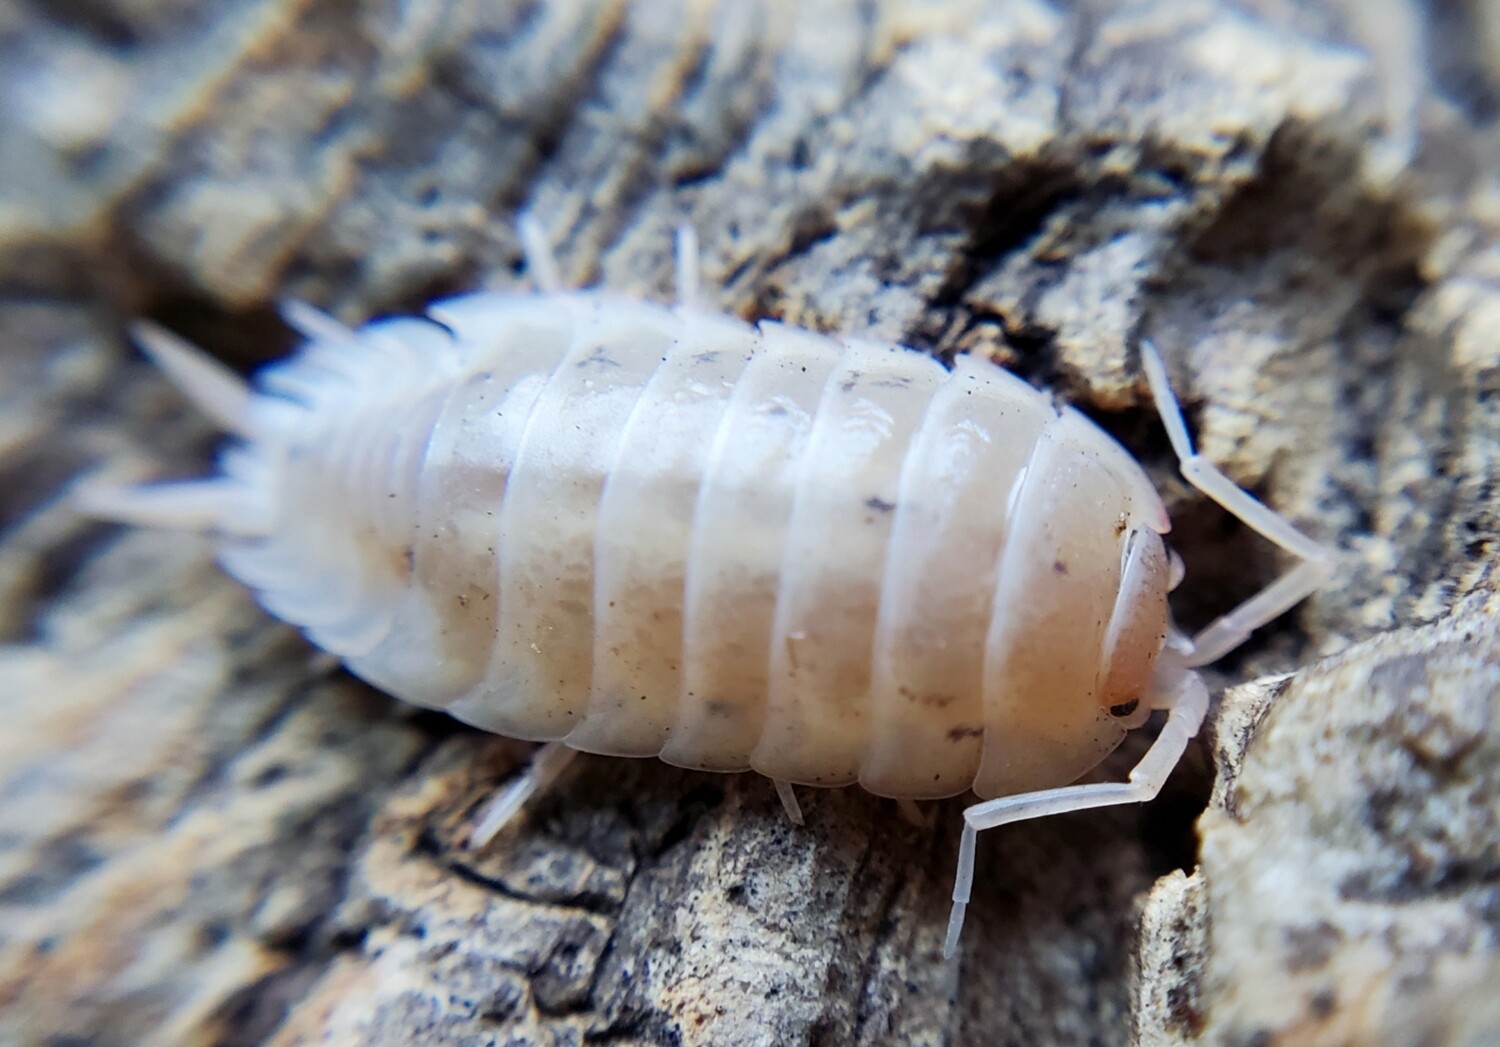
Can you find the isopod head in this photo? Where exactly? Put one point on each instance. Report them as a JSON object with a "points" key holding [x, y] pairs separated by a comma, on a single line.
{"points": [[1137, 629]]}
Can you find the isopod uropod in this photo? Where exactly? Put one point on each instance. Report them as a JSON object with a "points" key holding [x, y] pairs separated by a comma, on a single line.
{"points": [[630, 529]]}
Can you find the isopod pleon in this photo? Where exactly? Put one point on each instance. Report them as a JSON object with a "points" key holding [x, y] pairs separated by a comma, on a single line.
{"points": [[631, 529]]}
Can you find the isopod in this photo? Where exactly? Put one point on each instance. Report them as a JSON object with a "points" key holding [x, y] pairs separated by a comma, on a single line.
{"points": [[641, 530]]}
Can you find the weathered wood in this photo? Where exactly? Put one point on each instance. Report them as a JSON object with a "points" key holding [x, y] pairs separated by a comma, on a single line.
{"points": [[1346, 891], [209, 836]]}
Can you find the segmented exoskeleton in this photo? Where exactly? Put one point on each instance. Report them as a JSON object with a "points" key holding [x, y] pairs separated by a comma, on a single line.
{"points": [[642, 530]]}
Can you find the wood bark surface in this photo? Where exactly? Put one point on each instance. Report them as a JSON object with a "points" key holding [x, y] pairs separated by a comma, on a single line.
{"points": [[209, 835]]}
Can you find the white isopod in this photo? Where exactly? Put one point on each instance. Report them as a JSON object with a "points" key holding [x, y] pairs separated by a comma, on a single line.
{"points": [[629, 529]]}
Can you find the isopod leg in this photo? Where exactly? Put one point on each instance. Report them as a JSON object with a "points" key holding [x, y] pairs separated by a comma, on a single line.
{"points": [[788, 801], [688, 290], [540, 262], [546, 765], [911, 812], [1188, 703], [1318, 561]]}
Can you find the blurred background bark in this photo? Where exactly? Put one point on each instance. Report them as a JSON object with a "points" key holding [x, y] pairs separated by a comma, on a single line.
{"points": [[209, 836]]}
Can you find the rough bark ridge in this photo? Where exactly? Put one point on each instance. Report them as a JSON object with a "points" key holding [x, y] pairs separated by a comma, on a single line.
{"points": [[208, 836]]}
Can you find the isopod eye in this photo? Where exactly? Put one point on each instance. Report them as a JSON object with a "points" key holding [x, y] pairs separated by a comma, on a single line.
{"points": [[1124, 709]]}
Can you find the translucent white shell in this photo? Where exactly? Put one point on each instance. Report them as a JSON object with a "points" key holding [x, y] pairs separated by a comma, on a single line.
{"points": [[648, 531]]}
